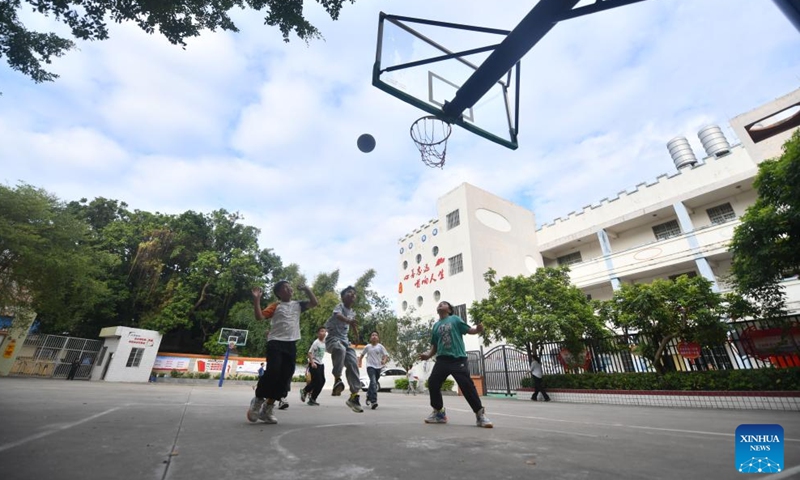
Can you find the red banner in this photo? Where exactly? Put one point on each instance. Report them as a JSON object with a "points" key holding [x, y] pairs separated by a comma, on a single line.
{"points": [[771, 341]]}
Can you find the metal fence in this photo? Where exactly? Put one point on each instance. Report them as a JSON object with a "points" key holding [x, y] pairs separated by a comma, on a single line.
{"points": [[504, 367], [52, 356]]}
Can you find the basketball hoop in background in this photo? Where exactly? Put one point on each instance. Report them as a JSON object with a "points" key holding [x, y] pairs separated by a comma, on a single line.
{"points": [[232, 344], [430, 135]]}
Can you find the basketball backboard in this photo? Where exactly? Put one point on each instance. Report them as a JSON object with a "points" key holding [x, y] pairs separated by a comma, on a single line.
{"points": [[233, 335], [412, 64]]}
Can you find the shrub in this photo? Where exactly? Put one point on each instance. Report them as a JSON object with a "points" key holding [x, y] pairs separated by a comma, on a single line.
{"points": [[175, 374], [204, 375], [764, 379], [299, 379]]}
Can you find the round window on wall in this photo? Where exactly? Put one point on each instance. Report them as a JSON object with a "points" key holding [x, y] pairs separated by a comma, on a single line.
{"points": [[405, 264], [435, 251], [437, 295], [435, 231], [424, 237], [419, 258], [419, 301], [405, 305], [402, 250], [410, 246]]}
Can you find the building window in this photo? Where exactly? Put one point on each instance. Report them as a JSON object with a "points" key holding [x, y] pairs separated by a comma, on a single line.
{"points": [[419, 258], [419, 301], [405, 305], [435, 251], [667, 230], [405, 264], [461, 311], [135, 357], [453, 220], [456, 264], [570, 259], [721, 214], [437, 295]]}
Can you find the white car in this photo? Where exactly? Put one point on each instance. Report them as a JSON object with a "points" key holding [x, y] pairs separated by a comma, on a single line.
{"points": [[387, 379]]}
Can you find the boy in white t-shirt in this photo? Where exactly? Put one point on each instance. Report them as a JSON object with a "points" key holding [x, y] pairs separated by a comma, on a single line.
{"points": [[377, 356], [315, 367], [282, 340]]}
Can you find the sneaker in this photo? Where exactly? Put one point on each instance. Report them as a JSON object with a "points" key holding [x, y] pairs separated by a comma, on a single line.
{"points": [[533, 397], [354, 404], [313, 403], [266, 414], [338, 388], [283, 404], [374, 406], [255, 408], [368, 403], [437, 416], [481, 420], [303, 395], [547, 399]]}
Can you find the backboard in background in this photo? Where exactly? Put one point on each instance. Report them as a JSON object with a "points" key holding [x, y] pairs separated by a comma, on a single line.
{"points": [[424, 63], [233, 334]]}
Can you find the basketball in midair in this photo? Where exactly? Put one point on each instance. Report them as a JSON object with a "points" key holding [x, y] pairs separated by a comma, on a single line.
{"points": [[366, 143]]}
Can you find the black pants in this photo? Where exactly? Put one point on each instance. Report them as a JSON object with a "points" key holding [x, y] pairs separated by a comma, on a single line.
{"points": [[538, 386], [275, 382], [459, 369], [317, 381]]}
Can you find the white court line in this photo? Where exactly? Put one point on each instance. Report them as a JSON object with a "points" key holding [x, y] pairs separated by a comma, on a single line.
{"points": [[618, 425], [53, 430]]}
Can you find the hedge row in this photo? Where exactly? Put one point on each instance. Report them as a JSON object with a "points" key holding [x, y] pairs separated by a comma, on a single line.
{"points": [[765, 379]]}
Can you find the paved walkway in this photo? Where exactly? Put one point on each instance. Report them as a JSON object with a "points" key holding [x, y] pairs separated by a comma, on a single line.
{"points": [[56, 429]]}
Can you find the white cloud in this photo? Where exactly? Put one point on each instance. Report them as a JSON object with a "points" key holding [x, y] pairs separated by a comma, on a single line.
{"points": [[248, 123]]}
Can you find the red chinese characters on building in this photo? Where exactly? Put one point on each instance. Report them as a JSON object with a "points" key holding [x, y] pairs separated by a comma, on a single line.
{"points": [[424, 274]]}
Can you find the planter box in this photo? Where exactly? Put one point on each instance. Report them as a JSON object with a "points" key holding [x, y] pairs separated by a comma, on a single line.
{"points": [[677, 398]]}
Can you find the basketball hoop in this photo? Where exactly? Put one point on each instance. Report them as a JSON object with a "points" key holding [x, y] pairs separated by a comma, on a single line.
{"points": [[430, 135], [232, 341]]}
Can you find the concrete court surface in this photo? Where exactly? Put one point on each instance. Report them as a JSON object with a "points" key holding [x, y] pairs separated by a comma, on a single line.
{"points": [[57, 429]]}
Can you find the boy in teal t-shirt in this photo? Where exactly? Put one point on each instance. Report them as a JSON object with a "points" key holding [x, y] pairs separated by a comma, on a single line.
{"points": [[447, 343]]}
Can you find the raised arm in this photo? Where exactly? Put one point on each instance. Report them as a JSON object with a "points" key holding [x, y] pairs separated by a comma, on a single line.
{"points": [[312, 299], [257, 292], [476, 329]]}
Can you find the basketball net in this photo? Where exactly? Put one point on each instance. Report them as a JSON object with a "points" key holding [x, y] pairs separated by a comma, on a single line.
{"points": [[430, 135], [232, 345]]}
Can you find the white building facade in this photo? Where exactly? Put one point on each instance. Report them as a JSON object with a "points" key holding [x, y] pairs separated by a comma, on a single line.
{"points": [[681, 223]]}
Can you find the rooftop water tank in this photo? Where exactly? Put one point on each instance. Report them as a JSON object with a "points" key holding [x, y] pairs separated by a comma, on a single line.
{"points": [[681, 152], [714, 141]]}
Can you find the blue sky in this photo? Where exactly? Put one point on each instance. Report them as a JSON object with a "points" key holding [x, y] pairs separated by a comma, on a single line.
{"points": [[246, 122]]}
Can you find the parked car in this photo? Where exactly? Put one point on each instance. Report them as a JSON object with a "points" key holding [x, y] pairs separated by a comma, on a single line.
{"points": [[387, 380]]}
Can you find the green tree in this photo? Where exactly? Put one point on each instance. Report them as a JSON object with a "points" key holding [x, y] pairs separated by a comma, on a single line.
{"points": [[413, 338], [766, 245], [48, 263], [27, 51], [664, 310], [545, 307]]}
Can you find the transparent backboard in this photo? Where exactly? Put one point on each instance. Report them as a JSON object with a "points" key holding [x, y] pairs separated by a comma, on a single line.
{"points": [[231, 334], [425, 63]]}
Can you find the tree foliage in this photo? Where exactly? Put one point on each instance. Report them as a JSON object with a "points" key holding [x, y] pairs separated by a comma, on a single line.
{"points": [[178, 20], [528, 312], [413, 338], [685, 309], [47, 262], [766, 245]]}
